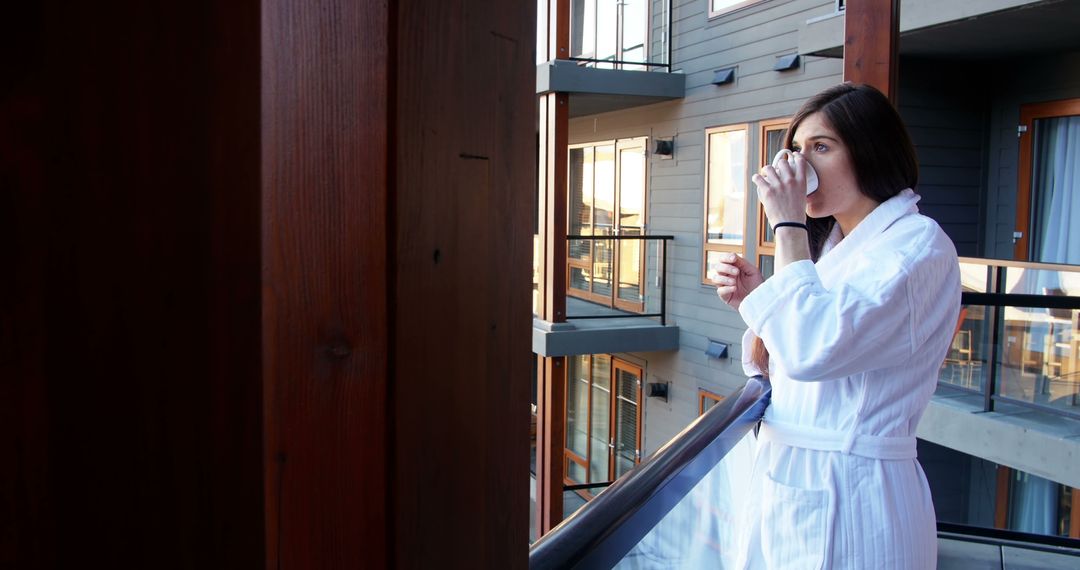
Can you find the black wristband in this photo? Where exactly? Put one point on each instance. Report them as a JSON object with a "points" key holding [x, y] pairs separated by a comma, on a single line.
{"points": [[789, 225]]}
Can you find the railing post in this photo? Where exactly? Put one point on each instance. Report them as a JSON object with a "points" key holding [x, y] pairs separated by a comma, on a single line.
{"points": [[663, 283], [995, 338]]}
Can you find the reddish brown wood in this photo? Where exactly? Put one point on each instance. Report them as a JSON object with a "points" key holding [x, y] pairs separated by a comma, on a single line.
{"points": [[1074, 514], [551, 445], [464, 155], [1028, 115], [871, 40], [129, 177], [327, 243], [1001, 497]]}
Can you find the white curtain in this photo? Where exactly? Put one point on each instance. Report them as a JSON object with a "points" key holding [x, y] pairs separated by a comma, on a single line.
{"points": [[1033, 505], [1057, 191]]}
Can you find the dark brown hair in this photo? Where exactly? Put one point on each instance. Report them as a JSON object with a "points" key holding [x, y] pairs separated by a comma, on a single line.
{"points": [[881, 155]]}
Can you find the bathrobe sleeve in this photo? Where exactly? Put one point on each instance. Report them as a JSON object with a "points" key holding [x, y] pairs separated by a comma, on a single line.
{"points": [[817, 334]]}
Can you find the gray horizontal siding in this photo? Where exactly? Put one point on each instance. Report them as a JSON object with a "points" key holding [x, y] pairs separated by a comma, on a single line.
{"points": [[750, 39]]}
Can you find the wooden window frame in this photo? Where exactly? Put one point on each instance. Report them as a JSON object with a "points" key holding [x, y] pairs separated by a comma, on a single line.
{"points": [[613, 300], [1028, 115], [703, 395], [570, 456], [765, 247], [710, 247], [729, 9]]}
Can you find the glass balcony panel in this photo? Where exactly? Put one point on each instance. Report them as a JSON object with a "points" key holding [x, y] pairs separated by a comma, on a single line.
{"points": [[1039, 361], [965, 364], [630, 258], [607, 47], [975, 277], [697, 532], [583, 28]]}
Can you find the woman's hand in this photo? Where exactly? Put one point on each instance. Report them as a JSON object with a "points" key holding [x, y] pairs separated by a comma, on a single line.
{"points": [[782, 190], [735, 278]]}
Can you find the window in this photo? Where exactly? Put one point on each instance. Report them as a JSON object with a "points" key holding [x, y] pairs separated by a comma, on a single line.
{"points": [[607, 197], [706, 400], [718, 7], [603, 418], [725, 192], [772, 140]]}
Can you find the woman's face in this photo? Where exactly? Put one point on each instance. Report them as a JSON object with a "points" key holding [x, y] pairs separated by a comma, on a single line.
{"points": [[838, 191]]}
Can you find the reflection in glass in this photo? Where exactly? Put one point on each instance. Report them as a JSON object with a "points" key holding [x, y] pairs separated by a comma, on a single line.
{"points": [[766, 264], [726, 187], [774, 142], [577, 405], [965, 363], [600, 418], [626, 420], [1055, 185]]}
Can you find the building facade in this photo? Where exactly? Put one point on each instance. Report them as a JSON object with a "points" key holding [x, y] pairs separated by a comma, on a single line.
{"points": [[990, 92]]}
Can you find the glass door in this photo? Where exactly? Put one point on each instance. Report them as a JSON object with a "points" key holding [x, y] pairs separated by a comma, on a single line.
{"points": [[607, 198], [603, 419], [1048, 188], [626, 418], [630, 266]]}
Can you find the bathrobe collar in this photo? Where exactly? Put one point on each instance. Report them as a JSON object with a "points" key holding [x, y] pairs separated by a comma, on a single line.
{"points": [[838, 247]]}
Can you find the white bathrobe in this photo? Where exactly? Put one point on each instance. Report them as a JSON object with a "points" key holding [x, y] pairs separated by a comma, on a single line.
{"points": [[856, 341]]}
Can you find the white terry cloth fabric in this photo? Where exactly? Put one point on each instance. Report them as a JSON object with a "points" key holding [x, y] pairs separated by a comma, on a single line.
{"points": [[855, 343]]}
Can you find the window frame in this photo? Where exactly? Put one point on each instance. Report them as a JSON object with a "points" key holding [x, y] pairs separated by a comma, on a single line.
{"points": [[614, 363], [729, 9], [618, 146], [703, 395], [763, 246], [707, 247]]}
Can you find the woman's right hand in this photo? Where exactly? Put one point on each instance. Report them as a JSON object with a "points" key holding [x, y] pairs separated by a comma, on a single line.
{"points": [[735, 278]]}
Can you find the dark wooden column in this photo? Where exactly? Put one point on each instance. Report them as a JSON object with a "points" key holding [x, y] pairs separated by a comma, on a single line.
{"points": [[554, 117], [871, 44], [325, 247], [463, 174], [265, 299], [130, 372]]}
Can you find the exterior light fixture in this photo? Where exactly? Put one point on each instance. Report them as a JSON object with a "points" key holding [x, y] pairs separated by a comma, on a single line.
{"points": [[658, 390], [787, 62], [716, 349], [723, 76]]}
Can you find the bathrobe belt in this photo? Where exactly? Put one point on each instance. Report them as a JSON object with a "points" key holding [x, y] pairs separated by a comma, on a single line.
{"points": [[806, 437]]}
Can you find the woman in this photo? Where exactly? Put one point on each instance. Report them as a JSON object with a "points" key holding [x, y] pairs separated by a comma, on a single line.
{"points": [[851, 330]]}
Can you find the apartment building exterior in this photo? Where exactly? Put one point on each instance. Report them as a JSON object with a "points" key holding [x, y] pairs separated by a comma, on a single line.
{"points": [[671, 106]]}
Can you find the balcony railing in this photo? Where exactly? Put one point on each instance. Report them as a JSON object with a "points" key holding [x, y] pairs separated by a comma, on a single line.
{"points": [[658, 501], [621, 34], [626, 273], [1018, 336]]}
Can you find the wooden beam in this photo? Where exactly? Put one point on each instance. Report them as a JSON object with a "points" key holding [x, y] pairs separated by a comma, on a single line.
{"points": [[871, 44], [463, 179], [553, 136]]}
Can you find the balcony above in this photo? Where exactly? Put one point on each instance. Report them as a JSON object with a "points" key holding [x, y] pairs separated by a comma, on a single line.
{"points": [[968, 29], [594, 90], [595, 334]]}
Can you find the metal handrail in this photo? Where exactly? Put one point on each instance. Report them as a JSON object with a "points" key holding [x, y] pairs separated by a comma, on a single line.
{"points": [[667, 47], [603, 531]]}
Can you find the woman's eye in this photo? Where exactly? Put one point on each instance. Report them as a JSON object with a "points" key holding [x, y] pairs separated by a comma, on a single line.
{"points": [[820, 147]]}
